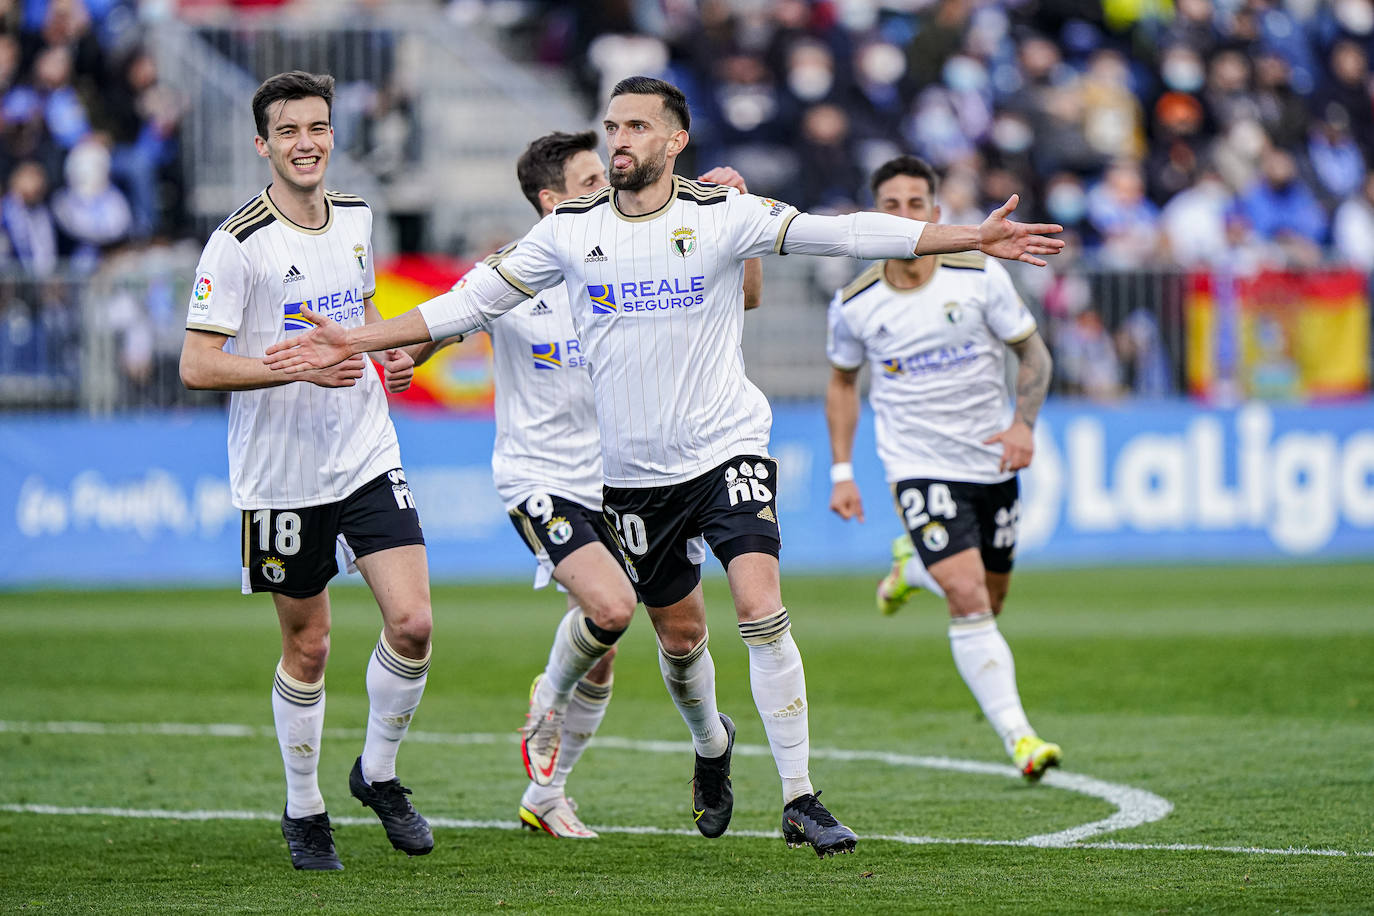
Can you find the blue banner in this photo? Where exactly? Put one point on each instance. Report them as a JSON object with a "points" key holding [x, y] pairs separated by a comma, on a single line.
{"points": [[145, 501]]}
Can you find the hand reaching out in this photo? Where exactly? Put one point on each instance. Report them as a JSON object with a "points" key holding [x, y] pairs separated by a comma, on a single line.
{"points": [[319, 348], [1003, 238]]}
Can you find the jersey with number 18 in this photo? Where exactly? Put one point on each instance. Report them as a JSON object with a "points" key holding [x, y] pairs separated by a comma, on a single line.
{"points": [[298, 444]]}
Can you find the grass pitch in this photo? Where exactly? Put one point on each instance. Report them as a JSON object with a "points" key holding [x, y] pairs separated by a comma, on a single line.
{"points": [[1241, 697]]}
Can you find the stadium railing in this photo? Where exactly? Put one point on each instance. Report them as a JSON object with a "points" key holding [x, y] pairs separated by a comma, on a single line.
{"points": [[110, 341]]}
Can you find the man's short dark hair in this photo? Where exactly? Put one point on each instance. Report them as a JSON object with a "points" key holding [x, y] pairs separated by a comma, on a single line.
{"points": [[674, 102], [542, 163], [912, 167], [287, 87]]}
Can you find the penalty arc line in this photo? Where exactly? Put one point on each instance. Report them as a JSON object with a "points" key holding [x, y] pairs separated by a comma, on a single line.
{"points": [[1134, 806]]}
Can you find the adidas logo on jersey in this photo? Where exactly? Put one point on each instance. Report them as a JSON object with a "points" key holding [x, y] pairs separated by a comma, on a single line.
{"points": [[293, 275], [596, 254], [541, 308], [766, 513]]}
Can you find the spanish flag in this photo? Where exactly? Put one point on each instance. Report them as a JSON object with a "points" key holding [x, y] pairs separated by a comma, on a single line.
{"points": [[1279, 335]]}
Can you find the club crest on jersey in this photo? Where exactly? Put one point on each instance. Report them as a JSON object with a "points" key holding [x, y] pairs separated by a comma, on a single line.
{"points": [[560, 531], [546, 356], [953, 312], [360, 255], [273, 570], [295, 321], [603, 298], [684, 241]]}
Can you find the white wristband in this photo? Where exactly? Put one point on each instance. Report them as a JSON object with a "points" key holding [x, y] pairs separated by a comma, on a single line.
{"points": [[841, 471]]}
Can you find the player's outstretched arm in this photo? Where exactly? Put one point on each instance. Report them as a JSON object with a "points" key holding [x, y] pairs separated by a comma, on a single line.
{"points": [[1032, 384], [842, 419], [329, 343], [878, 236], [998, 236]]}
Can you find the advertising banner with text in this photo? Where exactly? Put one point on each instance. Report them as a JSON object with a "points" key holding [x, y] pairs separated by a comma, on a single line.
{"points": [[145, 501]]}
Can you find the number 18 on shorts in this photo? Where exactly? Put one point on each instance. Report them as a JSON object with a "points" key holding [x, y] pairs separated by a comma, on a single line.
{"points": [[946, 517]]}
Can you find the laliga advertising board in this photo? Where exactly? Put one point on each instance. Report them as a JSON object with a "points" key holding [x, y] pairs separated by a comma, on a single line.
{"points": [[145, 500]]}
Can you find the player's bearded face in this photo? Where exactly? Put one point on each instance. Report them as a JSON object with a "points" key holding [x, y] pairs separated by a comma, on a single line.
{"points": [[639, 174]]}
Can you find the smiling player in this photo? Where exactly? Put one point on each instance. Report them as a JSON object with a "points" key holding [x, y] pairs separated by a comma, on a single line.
{"points": [[314, 459]]}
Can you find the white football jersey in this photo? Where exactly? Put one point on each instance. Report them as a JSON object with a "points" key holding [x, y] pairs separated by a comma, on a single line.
{"points": [[658, 305], [938, 359], [297, 444], [546, 439]]}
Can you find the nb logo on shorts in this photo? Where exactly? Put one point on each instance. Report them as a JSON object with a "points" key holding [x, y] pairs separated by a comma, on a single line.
{"points": [[745, 482], [400, 489], [603, 298]]}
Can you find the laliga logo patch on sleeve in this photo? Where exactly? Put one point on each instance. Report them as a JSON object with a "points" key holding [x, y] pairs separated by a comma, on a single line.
{"points": [[202, 292]]}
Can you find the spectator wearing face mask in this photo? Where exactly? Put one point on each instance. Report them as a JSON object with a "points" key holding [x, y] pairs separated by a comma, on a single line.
{"points": [[28, 222], [1282, 209], [90, 211], [1337, 162], [1193, 222], [1353, 228]]}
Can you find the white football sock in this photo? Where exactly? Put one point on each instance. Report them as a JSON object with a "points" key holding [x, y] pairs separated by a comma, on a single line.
{"points": [[691, 682], [575, 651], [916, 574], [586, 709], [779, 685], [298, 711], [394, 687], [985, 663]]}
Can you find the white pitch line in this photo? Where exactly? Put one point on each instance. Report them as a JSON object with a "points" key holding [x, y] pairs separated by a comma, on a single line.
{"points": [[453, 823], [1134, 806]]}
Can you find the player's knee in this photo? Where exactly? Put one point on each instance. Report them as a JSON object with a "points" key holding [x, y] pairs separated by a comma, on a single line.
{"points": [[680, 641], [305, 654], [966, 596], [612, 611], [409, 634]]}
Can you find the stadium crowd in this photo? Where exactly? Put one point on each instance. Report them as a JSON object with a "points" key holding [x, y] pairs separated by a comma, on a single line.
{"points": [[1201, 132], [1216, 134], [88, 148]]}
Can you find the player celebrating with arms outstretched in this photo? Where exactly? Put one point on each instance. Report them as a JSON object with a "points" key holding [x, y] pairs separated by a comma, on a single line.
{"points": [[314, 459], [935, 333], [654, 266]]}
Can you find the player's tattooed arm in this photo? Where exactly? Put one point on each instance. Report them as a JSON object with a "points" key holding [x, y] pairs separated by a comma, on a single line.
{"points": [[1032, 384], [1033, 378]]}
